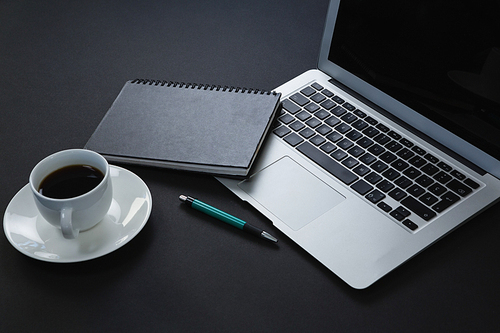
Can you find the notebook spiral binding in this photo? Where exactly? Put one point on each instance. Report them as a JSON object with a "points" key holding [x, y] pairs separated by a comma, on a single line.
{"points": [[202, 86]]}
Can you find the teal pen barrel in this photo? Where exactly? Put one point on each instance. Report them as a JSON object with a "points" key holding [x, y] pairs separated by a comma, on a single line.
{"points": [[218, 214]]}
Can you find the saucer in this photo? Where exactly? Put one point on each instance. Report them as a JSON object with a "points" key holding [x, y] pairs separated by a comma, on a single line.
{"points": [[33, 236]]}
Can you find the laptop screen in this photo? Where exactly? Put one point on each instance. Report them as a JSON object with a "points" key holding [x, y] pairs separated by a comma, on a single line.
{"points": [[439, 57]]}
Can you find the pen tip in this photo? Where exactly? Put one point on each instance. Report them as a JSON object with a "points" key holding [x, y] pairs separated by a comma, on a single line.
{"points": [[183, 198], [268, 236]]}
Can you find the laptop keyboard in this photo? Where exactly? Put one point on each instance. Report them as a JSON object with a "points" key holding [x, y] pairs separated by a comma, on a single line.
{"points": [[388, 170]]}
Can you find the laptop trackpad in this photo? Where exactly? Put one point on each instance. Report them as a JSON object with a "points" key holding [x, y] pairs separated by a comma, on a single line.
{"points": [[291, 193]]}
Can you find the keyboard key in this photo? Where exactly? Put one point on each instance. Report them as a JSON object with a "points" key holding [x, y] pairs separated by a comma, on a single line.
{"points": [[327, 93], [317, 86], [349, 106], [350, 162], [293, 139], [457, 175], [324, 129], [343, 128], [338, 111], [412, 173], [290, 107], [317, 140], [444, 166], [339, 155], [399, 165], [431, 158], [403, 182], [313, 122], [471, 183], [417, 161], [338, 99], [318, 98], [391, 174], [447, 200], [382, 139], [297, 126], [332, 121], [371, 121], [385, 186], [442, 177], [281, 131], [385, 207], [394, 146], [424, 181], [383, 128], [418, 150], [397, 194], [459, 188], [406, 143], [371, 131], [286, 119], [334, 137], [437, 189], [303, 115], [365, 142], [429, 169], [410, 225], [405, 154], [400, 213], [349, 118], [345, 144], [354, 135], [359, 113], [361, 170], [367, 158], [359, 124], [328, 104], [375, 196], [373, 178], [327, 163], [394, 135], [312, 107], [322, 114], [379, 166], [428, 199], [299, 99], [376, 149], [307, 132], [387, 157], [308, 91], [356, 151], [328, 147], [418, 208], [415, 190]]}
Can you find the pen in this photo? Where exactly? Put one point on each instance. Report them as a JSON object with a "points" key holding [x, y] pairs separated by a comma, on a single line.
{"points": [[225, 217]]}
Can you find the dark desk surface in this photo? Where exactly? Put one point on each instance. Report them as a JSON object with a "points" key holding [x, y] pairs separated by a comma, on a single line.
{"points": [[62, 63]]}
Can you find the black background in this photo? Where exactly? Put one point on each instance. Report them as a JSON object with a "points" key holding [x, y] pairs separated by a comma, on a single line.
{"points": [[62, 63]]}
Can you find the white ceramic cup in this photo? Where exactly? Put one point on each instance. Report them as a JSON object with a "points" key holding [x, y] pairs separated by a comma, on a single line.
{"points": [[79, 213]]}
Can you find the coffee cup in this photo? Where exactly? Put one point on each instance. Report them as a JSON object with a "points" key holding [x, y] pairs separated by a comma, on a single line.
{"points": [[72, 190]]}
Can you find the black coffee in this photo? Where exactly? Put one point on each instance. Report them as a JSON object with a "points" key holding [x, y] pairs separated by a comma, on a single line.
{"points": [[70, 181]]}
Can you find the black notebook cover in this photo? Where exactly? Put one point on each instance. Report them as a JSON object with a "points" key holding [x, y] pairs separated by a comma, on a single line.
{"points": [[199, 128]]}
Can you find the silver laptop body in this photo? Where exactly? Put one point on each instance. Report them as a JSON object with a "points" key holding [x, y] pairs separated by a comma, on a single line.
{"points": [[357, 225]]}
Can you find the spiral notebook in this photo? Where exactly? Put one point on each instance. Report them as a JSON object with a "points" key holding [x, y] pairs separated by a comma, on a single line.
{"points": [[194, 127]]}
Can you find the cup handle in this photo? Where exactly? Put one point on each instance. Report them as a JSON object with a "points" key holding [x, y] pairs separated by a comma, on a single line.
{"points": [[66, 224]]}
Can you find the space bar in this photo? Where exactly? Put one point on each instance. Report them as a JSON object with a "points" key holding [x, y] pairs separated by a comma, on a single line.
{"points": [[327, 163]]}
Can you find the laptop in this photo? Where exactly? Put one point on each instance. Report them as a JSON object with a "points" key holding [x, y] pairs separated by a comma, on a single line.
{"points": [[392, 142]]}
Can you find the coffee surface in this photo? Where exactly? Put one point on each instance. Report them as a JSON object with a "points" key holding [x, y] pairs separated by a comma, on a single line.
{"points": [[70, 181]]}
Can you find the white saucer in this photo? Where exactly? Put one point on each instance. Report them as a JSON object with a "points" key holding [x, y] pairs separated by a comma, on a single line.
{"points": [[33, 236]]}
